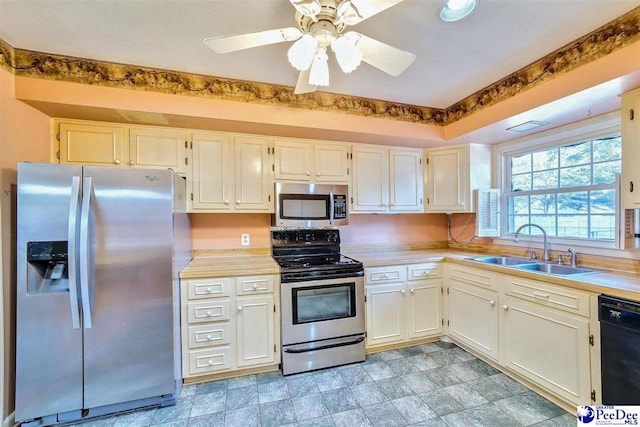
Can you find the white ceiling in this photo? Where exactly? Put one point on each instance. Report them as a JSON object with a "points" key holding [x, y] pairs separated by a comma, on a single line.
{"points": [[453, 60]]}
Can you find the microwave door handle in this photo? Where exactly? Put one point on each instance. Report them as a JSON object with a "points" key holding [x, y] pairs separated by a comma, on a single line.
{"points": [[72, 252], [85, 248], [331, 208]]}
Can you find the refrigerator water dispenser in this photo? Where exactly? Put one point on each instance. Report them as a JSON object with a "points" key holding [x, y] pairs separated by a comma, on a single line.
{"points": [[47, 267]]}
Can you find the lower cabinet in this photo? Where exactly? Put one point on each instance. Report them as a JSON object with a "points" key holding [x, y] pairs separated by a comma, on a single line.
{"points": [[228, 324], [406, 309]]}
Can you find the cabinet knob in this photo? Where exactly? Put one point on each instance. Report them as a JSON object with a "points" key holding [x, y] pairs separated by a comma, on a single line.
{"points": [[255, 287], [237, 202], [209, 290], [505, 307], [492, 302], [210, 362], [308, 173], [317, 173], [402, 291], [209, 337], [239, 308], [226, 202], [412, 290], [117, 162], [209, 313], [384, 276], [131, 162]]}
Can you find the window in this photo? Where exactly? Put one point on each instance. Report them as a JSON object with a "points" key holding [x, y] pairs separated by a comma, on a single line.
{"points": [[569, 190]]}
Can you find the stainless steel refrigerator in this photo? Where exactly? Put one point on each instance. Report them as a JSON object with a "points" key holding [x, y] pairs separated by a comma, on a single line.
{"points": [[99, 251]]}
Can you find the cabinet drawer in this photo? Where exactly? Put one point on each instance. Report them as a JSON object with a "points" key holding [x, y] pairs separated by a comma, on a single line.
{"points": [[549, 295], [210, 360], [427, 270], [209, 288], [386, 274], [473, 276], [208, 335], [209, 311], [254, 285]]}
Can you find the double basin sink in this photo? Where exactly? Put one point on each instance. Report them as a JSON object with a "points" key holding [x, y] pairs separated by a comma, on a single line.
{"points": [[532, 265]]}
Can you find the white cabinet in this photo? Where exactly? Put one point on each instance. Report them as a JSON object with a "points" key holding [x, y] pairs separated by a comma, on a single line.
{"points": [[451, 175], [228, 324], [630, 181], [548, 347], [387, 180], [93, 144], [306, 161], [159, 149], [403, 303], [473, 309], [230, 174], [255, 330]]}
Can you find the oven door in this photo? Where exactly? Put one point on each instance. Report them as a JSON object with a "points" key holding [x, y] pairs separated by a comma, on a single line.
{"points": [[322, 309]]}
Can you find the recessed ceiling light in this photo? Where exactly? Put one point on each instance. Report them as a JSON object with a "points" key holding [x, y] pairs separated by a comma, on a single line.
{"points": [[455, 10], [527, 126]]}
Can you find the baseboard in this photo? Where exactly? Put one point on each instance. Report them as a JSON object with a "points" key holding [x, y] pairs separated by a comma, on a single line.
{"points": [[10, 421]]}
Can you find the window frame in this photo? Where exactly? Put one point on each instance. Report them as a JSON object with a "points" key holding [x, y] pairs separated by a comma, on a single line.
{"points": [[606, 125]]}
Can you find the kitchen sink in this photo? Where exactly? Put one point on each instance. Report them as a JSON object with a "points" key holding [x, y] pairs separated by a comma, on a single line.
{"points": [[503, 260], [561, 270]]}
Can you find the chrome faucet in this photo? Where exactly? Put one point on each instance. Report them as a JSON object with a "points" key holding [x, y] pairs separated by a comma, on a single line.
{"points": [[572, 257], [545, 254]]}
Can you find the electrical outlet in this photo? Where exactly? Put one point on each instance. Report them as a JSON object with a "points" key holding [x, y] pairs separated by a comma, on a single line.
{"points": [[245, 240]]}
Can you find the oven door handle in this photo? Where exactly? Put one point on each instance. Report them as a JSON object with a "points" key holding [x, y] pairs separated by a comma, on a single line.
{"points": [[357, 340]]}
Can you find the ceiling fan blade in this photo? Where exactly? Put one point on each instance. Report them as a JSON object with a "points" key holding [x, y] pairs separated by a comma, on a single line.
{"points": [[367, 8], [303, 85], [225, 44], [386, 58]]}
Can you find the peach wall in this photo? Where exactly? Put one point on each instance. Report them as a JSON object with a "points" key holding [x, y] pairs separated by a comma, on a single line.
{"points": [[222, 231], [24, 131], [463, 228]]}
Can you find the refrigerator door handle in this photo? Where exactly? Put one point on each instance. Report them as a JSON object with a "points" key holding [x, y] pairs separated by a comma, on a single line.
{"points": [[86, 290], [72, 252]]}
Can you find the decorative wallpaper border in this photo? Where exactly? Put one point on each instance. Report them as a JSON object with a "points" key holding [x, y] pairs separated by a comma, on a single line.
{"points": [[617, 34]]}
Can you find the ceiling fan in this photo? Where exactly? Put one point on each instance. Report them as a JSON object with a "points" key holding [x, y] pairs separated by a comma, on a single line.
{"points": [[321, 25]]}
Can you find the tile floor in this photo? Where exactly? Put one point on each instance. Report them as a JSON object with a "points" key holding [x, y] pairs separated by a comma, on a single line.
{"points": [[436, 384]]}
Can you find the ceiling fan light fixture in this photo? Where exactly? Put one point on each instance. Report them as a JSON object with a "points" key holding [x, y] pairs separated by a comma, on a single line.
{"points": [[348, 13], [455, 10], [302, 52], [319, 74], [348, 55], [309, 8]]}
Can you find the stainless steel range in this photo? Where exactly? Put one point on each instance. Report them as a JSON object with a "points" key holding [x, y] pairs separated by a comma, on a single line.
{"points": [[322, 299]]}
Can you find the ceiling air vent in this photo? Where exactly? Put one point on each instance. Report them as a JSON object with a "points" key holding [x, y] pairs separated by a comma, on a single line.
{"points": [[527, 126]]}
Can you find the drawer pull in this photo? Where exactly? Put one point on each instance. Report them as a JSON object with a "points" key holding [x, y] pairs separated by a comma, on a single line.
{"points": [[209, 290], [210, 362], [541, 296], [384, 276], [209, 313], [210, 337], [492, 302], [255, 286]]}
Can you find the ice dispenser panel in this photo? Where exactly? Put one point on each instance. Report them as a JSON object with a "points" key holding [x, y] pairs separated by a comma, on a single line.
{"points": [[47, 267]]}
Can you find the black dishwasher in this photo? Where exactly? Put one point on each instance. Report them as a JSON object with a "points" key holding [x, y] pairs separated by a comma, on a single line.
{"points": [[620, 351]]}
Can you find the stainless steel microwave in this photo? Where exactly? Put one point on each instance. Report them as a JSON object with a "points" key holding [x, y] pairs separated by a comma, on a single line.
{"points": [[311, 205]]}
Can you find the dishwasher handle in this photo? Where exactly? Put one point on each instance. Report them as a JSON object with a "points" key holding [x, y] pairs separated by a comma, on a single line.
{"points": [[619, 312]]}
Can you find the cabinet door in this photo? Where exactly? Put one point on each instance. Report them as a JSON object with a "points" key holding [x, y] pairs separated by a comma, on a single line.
{"points": [[385, 313], [255, 333], [405, 181], [88, 144], [253, 182], [331, 163], [424, 313], [630, 180], [212, 180], [473, 317], [446, 183], [294, 160], [548, 347], [159, 148], [370, 179]]}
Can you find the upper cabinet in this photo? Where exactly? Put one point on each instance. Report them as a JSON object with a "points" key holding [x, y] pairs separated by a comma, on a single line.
{"points": [[231, 173], [630, 196], [306, 161], [451, 175], [104, 145], [387, 180]]}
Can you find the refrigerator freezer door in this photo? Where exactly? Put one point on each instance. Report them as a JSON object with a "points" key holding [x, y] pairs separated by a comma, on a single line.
{"points": [[48, 348], [129, 351]]}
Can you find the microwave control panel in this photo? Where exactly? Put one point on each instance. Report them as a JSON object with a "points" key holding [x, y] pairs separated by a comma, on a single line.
{"points": [[339, 206]]}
